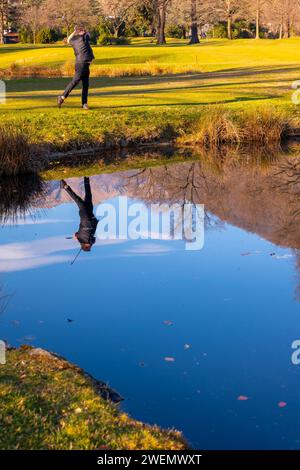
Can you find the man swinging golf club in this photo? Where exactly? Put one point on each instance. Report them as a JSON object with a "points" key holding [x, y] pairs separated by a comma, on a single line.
{"points": [[80, 40], [88, 222]]}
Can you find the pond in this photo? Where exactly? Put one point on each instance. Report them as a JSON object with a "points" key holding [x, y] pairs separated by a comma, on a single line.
{"points": [[196, 339]]}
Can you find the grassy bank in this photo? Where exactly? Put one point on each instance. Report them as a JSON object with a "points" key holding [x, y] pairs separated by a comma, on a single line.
{"points": [[30, 144], [47, 403]]}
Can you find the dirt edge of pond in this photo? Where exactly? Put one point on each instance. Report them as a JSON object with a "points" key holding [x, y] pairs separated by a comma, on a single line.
{"points": [[49, 403]]}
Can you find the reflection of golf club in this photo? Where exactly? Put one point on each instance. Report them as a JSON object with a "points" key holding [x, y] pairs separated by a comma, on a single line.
{"points": [[76, 257]]}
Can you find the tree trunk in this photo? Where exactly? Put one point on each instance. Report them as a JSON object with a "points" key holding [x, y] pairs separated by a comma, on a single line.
{"points": [[194, 23], [161, 39], [288, 29], [2, 26], [280, 30], [229, 31], [257, 19]]}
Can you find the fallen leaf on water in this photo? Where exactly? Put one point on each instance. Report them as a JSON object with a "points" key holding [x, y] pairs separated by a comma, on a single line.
{"points": [[170, 359], [242, 398], [29, 339], [282, 404], [168, 322], [187, 346]]}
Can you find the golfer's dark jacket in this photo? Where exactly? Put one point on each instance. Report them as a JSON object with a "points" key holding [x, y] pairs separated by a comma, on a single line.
{"points": [[87, 227], [82, 48]]}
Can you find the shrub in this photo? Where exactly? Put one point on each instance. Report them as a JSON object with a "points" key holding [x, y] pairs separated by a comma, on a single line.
{"points": [[175, 31], [108, 40], [46, 36], [25, 36], [105, 39], [219, 31], [104, 27], [122, 41]]}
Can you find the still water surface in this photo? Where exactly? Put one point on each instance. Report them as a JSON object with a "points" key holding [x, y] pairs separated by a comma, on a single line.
{"points": [[226, 315]]}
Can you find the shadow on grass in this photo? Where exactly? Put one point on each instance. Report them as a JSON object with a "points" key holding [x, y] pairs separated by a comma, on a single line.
{"points": [[157, 105], [27, 84]]}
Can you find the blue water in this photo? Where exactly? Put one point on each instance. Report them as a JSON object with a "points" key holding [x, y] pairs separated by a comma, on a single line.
{"points": [[226, 314]]}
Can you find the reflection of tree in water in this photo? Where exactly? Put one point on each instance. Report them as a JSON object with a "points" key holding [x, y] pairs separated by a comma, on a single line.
{"points": [[166, 185], [18, 195], [4, 299], [260, 197]]}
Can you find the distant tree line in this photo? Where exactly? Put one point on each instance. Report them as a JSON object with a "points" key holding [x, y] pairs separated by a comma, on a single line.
{"points": [[112, 21]]}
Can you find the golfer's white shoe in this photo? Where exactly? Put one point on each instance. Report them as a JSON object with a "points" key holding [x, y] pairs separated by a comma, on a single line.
{"points": [[85, 107], [60, 100]]}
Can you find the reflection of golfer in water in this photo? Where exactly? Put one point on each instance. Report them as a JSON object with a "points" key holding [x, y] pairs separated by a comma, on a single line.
{"points": [[88, 222]]}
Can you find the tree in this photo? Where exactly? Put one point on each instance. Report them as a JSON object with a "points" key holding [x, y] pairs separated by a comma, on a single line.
{"points": [[229, 10], [67, 13], [8, 13], [194, 23], [258, 10], [286, 13], [162, 9], [118, 11], [34, 16]]}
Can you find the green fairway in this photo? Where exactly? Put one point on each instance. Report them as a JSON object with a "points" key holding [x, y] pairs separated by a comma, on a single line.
{"points": [[209, 56], [239, 75]]}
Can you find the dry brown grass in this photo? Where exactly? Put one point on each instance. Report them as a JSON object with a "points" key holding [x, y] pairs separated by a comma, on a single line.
{"points": [[150, 68], [17, 155], [30, 71], [218, 125]]}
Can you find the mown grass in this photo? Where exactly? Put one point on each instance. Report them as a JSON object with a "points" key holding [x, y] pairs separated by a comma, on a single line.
{"points": [[241, 78], [47, 403], [209, 56]]}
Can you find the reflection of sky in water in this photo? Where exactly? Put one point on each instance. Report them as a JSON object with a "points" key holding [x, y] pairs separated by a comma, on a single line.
{"points": [[237, 314]]}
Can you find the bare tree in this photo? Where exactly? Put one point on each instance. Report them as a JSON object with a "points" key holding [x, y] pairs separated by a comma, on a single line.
{"points": [[34, 16], [67, 13], [228, 10], [162, 6], [118, 11]]}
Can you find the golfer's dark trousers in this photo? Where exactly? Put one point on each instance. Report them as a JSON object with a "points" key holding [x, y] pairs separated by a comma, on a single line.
{"points": [[82, 74], [85, 206], [88, 222]]}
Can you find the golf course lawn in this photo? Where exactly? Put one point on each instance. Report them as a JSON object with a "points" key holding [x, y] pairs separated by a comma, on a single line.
{"points": [[237, 75]]}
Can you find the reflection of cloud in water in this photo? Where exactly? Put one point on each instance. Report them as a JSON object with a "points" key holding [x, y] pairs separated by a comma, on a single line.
{"points": [[38, 221], [39, 253], [149, 249]]}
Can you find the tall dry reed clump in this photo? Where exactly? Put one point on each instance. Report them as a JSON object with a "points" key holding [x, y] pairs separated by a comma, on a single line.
{"points": [[16, 70], [149, 68], [16, 154], [218, 125]]}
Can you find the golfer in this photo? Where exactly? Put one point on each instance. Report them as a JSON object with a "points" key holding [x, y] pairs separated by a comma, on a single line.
{"points": [[88, 222], [80, 40]]}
